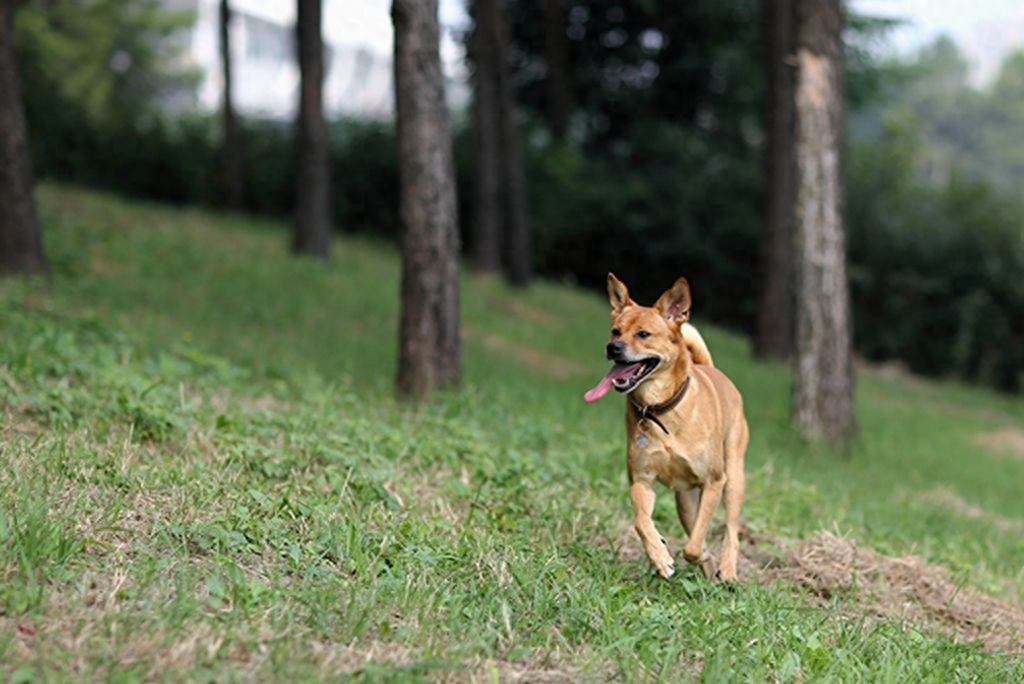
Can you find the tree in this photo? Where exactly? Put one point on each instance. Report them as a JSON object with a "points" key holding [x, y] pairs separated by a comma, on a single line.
{"points": [[823, 377], [312, 231], [231, 146], [21, 246], [775, 324], [429, 350], [491, 41], [487, 186]]}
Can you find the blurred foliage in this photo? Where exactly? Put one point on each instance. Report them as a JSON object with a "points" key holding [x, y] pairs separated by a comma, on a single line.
{"points": [[661, 171], [964, 129], [697, 64], [103, 59], [667, 204], [935, 268], [936, 225]]}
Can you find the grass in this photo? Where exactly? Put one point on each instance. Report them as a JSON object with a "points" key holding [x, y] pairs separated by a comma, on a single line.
{"points": [[204, 476]]}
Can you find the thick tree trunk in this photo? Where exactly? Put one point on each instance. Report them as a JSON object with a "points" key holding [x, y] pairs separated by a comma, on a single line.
{"points": [[518, 268], [556, 54], [21, 245], [429, 350], [312, 234], [823, 378], [487, 214], [231, 145], [775, 319]]}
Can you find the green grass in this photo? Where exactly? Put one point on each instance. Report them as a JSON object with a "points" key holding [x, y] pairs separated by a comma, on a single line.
{"points": [[204, 476]]}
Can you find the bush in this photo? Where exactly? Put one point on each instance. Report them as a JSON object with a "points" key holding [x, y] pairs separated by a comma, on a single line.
{"points": [[667, 204], [935, 270]]}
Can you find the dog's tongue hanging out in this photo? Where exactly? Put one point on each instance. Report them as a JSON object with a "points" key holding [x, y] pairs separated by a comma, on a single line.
{"points": [[619, 370]]}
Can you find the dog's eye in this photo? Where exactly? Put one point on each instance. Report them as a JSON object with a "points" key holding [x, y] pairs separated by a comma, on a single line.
{"points": [[643, 334], [616, 332]]}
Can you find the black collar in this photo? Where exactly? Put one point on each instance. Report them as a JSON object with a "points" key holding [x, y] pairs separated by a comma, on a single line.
{"points": [[651, 413]]}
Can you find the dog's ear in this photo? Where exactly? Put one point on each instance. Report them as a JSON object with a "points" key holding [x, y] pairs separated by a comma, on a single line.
{"points": [[674, 303], [618, 295]]}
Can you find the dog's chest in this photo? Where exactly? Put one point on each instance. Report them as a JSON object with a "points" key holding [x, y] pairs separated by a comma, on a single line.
{"points": [[670, 461]]}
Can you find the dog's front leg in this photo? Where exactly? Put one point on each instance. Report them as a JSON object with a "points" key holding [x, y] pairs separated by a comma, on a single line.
{"points": [[642, 494]]}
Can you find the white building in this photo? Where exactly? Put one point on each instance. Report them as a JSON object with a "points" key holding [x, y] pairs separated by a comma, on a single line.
{"points": [[357, 60]]}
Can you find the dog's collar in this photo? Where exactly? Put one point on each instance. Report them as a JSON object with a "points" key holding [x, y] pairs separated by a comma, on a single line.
{"points": [[652, 412]]}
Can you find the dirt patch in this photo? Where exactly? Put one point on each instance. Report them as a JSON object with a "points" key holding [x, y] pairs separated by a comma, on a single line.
{"points": [[1008, 441], [904, 588], [867, 583]]}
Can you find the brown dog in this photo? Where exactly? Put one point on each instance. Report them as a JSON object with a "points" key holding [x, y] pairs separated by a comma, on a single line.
{"points": [[684, 423]]}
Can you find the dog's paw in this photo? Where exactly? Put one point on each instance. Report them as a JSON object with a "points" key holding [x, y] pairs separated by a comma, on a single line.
{"points": [[727, 573], [662, 560], [702, 558], [665, 568], [694, 555]]}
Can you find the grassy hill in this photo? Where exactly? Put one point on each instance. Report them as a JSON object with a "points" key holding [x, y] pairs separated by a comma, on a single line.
{"points": [[204, 476]]}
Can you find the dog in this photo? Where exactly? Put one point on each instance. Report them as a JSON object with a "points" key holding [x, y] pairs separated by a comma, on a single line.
{"points": [[685, 425]]}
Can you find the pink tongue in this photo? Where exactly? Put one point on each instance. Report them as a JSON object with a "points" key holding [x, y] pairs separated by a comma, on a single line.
{"points": [[619, 370]]}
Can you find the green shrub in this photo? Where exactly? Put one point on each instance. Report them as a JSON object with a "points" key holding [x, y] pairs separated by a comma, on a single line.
{"points": [[935, 270]]}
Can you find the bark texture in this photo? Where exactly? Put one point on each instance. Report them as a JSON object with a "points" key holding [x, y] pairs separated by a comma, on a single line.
{"points": [[823, 377], [429, 349], [312, 234], [487, 217], [231, 144], [21, 245], [775, 320]]}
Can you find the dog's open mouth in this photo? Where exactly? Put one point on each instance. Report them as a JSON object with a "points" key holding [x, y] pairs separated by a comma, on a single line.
{"points": [[624, 377]]}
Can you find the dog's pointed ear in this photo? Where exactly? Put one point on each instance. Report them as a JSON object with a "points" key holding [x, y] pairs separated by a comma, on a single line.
{"points": [[618, 295], [674, 303]]}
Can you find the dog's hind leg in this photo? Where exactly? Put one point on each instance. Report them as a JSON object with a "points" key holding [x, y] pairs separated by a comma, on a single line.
{"points": [[687, 503], [694, 551], [735, 448], [642, 495]]}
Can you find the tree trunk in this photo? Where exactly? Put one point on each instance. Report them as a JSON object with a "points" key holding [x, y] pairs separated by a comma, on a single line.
{"points": [[518, 269], [487, 215], [556, 54], [21, 245], [429, 353], [775, 316], [823, 377], [312, 234], [231, 146]]}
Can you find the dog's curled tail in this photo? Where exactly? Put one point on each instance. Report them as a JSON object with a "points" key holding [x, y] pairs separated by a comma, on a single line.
{"points": [[699, 351]]}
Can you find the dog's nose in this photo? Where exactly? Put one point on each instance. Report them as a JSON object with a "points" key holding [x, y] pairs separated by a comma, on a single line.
{"points": [[615, 349]]}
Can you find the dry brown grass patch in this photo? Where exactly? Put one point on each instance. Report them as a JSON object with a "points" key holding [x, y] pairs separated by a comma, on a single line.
{"points": [[904, 588], [1008, 441], [533, 314], [866, 582], [950, 500]]}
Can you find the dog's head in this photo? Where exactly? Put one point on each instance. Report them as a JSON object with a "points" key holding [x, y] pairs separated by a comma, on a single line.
{"points": [[645, 341]]}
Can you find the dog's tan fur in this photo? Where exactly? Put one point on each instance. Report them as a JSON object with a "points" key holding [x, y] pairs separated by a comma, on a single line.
{"points": [[701, 457]]}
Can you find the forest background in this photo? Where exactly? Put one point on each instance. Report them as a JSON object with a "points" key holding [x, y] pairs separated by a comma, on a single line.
{"points": [[655, 166]]}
